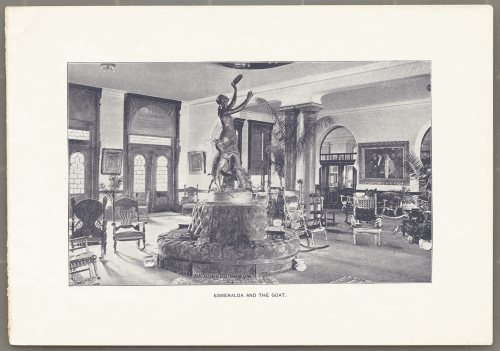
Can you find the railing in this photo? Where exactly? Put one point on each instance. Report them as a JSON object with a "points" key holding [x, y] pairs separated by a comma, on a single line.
{"points": [[343, 156]]}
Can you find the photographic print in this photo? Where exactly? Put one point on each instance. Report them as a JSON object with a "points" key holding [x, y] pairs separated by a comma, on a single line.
{"points": [[318, 145], [287, 182]]}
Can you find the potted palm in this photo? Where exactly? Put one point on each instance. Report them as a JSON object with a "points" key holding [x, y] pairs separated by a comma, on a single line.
{"points": [[284, 130]]}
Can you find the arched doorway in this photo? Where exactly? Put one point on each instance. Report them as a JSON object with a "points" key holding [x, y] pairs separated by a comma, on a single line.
{"points": [[337, 157], [426, 149]]}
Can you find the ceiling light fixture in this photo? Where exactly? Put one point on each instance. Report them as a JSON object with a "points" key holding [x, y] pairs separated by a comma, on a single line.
{"points": [[252, 65], [106, 67]]}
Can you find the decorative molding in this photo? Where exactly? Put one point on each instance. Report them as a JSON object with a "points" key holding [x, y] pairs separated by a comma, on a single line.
{"points": [[414, 68], [386, 106]]}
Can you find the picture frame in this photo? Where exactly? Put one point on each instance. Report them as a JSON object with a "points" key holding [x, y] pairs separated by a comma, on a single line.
{"points": [[383, 163], [196, 162], [111, 162]]}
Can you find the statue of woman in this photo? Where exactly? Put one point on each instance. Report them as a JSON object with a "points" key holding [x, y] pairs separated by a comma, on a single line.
{"points": [[227, 161]]}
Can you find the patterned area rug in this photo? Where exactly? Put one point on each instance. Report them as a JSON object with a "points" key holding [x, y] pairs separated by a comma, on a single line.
{"points": [[265, 279], [350, 280]]}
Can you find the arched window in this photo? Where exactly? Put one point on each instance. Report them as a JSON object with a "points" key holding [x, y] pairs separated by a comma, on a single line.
{"points": [[139, 174], [426, 148], [162, 174], [77, 173]]}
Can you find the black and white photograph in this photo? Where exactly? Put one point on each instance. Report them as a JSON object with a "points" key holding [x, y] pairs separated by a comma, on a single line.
{"points": [[219, 173], [226, 175]]}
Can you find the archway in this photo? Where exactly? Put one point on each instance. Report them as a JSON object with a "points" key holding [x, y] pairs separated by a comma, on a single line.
{"points": [[426, 149], [338, 176]]}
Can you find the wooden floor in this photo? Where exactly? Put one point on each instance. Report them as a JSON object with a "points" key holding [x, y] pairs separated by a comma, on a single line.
{"points": [[394, 261]]}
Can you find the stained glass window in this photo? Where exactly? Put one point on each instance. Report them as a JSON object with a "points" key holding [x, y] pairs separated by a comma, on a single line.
{"points": [[139, 174], [162, 174], [77, 173]]}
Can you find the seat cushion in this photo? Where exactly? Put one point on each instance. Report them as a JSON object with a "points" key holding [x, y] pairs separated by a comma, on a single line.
{"points": [[82, 256], [128, 234]]}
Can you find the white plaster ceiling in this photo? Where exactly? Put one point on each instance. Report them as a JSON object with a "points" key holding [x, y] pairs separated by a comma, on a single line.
{"points": [[192, 81], [410, 89]]}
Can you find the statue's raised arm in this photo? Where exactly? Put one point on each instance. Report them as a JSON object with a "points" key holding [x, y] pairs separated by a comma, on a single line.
{"points": [[226, 163], [243, 105], [235, 93]]}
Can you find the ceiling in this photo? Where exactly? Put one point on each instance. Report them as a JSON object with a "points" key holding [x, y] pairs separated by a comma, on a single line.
{"points": [[415, 88], [187, 81]]}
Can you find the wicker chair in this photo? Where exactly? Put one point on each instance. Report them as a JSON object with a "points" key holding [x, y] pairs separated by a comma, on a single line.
{"points": [[364, 217], [82, 262]]}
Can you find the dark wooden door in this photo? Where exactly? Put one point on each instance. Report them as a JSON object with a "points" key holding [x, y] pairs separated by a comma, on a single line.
{"points": [[151, 170]]}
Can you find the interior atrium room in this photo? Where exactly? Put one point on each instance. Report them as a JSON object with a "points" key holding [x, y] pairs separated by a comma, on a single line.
{"points": [[206, 173]]}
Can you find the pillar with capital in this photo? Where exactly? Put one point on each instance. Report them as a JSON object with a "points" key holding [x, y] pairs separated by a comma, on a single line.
{"points": [[309, 114]]}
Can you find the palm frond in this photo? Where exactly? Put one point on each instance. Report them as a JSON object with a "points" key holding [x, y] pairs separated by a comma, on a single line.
{"points": [[308, 135], [413, 165]]}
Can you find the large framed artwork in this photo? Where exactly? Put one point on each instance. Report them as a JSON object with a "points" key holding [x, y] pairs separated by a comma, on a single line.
{"points": [[111, 161], [383, 163], [196, 162]]}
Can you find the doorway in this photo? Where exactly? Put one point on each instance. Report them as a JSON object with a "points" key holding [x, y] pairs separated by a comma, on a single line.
{"points": [[151, 172], [338, 175]]}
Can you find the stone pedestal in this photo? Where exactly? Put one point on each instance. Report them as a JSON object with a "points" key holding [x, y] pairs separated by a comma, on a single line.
{"points": [[227, 238]]}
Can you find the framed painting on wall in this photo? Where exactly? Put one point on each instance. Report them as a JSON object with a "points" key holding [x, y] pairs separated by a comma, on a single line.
{"points": [[111, 161], [384, 163], [196, 162]]}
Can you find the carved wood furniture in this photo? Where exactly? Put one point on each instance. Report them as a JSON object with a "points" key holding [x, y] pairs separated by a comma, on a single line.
{"points": [[307, 228], [318, 211], [365, 210], [189, 199], [126, 224], [143, 202], [87, 220], [82, 262], [346, 206]]}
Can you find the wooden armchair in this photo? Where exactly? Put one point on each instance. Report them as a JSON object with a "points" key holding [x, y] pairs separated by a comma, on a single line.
{"points": [[189, 199], [87, 221], [143, 202], [307, 229], [82, 262], [126, 224], [346, 206], [365, 210], [317, 210]]}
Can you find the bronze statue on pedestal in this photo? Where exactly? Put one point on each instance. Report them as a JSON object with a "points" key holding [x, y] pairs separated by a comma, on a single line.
{"points": [[227, 161]]}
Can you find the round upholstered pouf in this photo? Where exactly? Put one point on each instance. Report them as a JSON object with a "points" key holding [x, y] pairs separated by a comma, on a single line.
{"points": [[226, 240]]}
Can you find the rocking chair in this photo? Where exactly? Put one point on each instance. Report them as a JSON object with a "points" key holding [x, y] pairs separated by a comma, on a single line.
{"points": [[82, 262], [307, 229]]}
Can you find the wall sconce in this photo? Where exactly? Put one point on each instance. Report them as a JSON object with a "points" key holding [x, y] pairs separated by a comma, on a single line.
{"points": [[106, 67]]}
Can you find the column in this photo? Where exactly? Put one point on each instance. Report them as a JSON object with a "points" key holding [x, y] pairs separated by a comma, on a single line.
{"points": [[309, 114]]}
